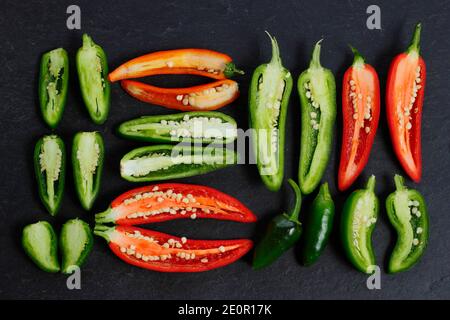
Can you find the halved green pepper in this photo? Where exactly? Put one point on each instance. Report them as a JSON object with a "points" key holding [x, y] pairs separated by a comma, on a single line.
{"points": [[92, 67], [282, 233], [75, 242], [408, 214], [270, 89], [317, 90], [50, 168], [192, 127], [359, 216], [40, 243], [319, 225], [88, 154], [163, 162], [53, 83]]}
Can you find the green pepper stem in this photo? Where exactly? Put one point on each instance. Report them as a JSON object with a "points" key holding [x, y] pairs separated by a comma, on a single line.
{"points": [[87, 41], [324, 191], [415, 42], [293, 216], [231, 70], [315, 60], [275, 50], [358, 59], [399, 182], [103, 231], [371, 183]]}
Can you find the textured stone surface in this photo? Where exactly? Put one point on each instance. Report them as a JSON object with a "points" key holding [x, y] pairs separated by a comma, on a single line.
{"points": [[126, 29]]}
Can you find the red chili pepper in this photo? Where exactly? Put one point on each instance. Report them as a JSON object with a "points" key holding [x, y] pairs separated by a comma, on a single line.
{"points": [[211, 96], [200, 62], [168, 201], [361, 112], [162, 252], [404, 101]]}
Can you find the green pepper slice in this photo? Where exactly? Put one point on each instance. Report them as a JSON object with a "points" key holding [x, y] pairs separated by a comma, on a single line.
{"points": [[41, 245], [191, 127], [359, 216], [92, 67], [317, 90], [270, 89], [163, 162], [282, 233], [408, 214], [53, 84], [88, 154], [75, 242], [319, 226], [50, 168]]}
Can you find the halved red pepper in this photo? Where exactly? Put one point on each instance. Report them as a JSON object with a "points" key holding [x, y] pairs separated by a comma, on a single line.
{"points": [[200, 62], [404, 101], [209, 96], [168, 201], [361, 112], [166, 253]]}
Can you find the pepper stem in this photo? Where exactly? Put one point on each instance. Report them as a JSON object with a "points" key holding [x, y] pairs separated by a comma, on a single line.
{"points": [[293, 216], [230, 70], [87, 41], [103, 231], [103, 217], [399, 182], [415, 42], [275, 50], [324, 191], [358, 59], [371, 183], [315, 60]]}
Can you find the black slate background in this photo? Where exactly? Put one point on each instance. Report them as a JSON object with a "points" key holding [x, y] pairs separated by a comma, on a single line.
{"points": [[127, 29]]}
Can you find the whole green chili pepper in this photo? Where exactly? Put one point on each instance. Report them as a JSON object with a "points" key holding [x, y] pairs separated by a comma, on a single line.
{"points": [[408, 214], [50, 168], [359, 216], [268, 102], [87, 161], [319, 225], [317, 90], [282, 233], [53, 83], [92, 67], [191, 127], [163, 162]]}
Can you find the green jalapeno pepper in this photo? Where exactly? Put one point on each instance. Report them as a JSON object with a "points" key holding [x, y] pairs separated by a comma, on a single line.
{"points": [[53, 83], [408, 214], [87, 161], [192, 127], [317, 90], [319, 225], [282, 233], [50, 168], [359, 216], [40, 243], [163, 162], [92, 67], [75, 242], [268, 102]]}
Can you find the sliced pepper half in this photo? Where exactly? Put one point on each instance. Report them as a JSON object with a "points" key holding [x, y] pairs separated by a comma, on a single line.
{"points": [[166, 253], [168, 201]]}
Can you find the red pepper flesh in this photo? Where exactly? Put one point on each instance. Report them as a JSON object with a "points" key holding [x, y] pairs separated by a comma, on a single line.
{"points": [[361, 113], [166, 253], [404, 102], [200, 62], [169, 201], [211, 96]]}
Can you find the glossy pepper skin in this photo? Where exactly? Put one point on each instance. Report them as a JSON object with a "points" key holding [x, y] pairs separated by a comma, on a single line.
{"points": [[359, 216], [319, 226], [50, 171], [360, 113], [53, 84], [270, 89], [404, 101], [282, 233], [317, 89], [408, 214], [92, 67]]}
